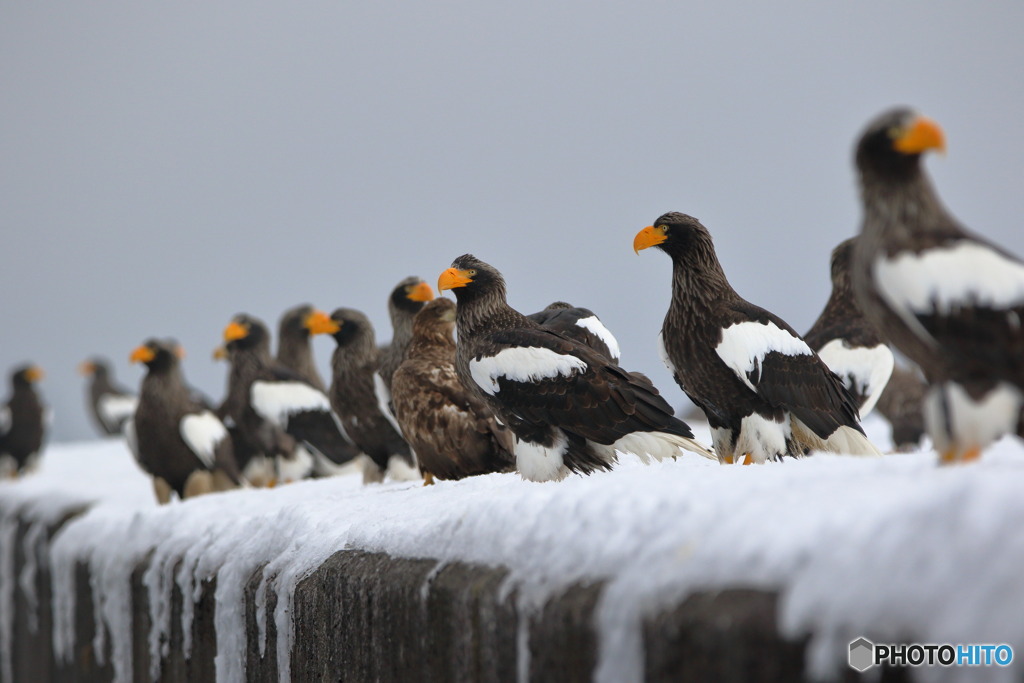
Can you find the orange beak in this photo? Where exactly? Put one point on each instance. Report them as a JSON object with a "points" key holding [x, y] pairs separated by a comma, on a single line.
{"points": [[648, 237], [420, 292], [142, 354], [922, 135], [179, 352], [220, 353], [235, 331], [452, 278], [34, 374], [319, 322], [86, 368]]}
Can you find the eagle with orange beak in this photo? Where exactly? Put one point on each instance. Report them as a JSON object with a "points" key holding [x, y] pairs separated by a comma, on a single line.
{"points": [[948, 299], [765, 392], [274, 411], [294, 350], [175, 439], [569, 408], [110, 404], [22, 423]]}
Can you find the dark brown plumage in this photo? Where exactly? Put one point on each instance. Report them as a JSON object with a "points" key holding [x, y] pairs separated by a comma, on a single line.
{"points": [[22, 423], [275, 410], [569, 408], [846, 341], [766, 394], [176, 440], [294, 350], [353, 364], [901, 403], [580, 324], [949, 300], [454, 434], [110, 405], [405, 301]]}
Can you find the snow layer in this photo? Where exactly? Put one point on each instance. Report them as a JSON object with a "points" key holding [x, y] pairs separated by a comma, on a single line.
{"points": [[889, 548]]}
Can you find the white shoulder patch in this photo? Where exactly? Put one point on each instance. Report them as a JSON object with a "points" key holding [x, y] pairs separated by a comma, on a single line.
{"points": [[863, 370], [5, 419], [202, 433], [277, 401], [938, 280], [744, 346], [597, 328], [115, 409], [522, 364], [380, 390], [663, 353], [130, 438]]}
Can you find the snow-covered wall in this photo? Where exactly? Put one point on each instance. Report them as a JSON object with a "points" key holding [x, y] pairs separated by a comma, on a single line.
{"points": [[681, 568]]}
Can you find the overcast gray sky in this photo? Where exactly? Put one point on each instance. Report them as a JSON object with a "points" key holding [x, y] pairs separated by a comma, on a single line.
{"points": [[164, 166]]}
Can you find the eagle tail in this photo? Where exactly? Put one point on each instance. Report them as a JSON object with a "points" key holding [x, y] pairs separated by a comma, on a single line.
{"points": [[847, 440], [660, 445]]}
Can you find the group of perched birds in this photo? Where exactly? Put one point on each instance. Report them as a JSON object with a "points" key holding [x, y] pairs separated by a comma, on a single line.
{"points": [[544, 394]]}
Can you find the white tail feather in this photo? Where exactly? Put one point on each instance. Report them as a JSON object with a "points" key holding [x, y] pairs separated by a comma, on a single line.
{"points": [[846, 440], [659, 445]]}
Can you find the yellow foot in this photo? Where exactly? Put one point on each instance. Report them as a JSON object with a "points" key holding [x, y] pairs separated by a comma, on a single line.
{"points": [[953, 457], [727, 459], [428, 479], [747, 460], [271, 483]]}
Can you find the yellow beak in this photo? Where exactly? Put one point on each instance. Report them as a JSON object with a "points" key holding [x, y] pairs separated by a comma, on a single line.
{"points": [[420, 292], [235, 331], [922, 135], [648, 237], [319, 322], [452, 278]]}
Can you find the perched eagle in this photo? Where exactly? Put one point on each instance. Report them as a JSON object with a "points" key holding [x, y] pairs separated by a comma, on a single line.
{"points": [[175, 439], [948, 299], [23, 422], [454, 433], [110, 404], [766, 394], [276, 412], [847, 342], [569, 408], [294, 350], [353, 364], [404, 302], [580, 324]]}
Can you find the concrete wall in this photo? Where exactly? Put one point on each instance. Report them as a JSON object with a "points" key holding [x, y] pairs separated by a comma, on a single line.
{"points": [[367, 617]]}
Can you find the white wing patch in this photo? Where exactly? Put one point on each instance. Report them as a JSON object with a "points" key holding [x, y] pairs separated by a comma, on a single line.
{"points": [[597, 328], [522, 364], [664, 354], [744, 346], [202, 433], [939, 280], [868, 369], [114, 409], [130, 439], [380, 390], [5, 419], [277, 401]]}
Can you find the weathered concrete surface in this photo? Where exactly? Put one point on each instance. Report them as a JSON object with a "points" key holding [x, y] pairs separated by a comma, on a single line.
{"points": [[369, 617]]}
